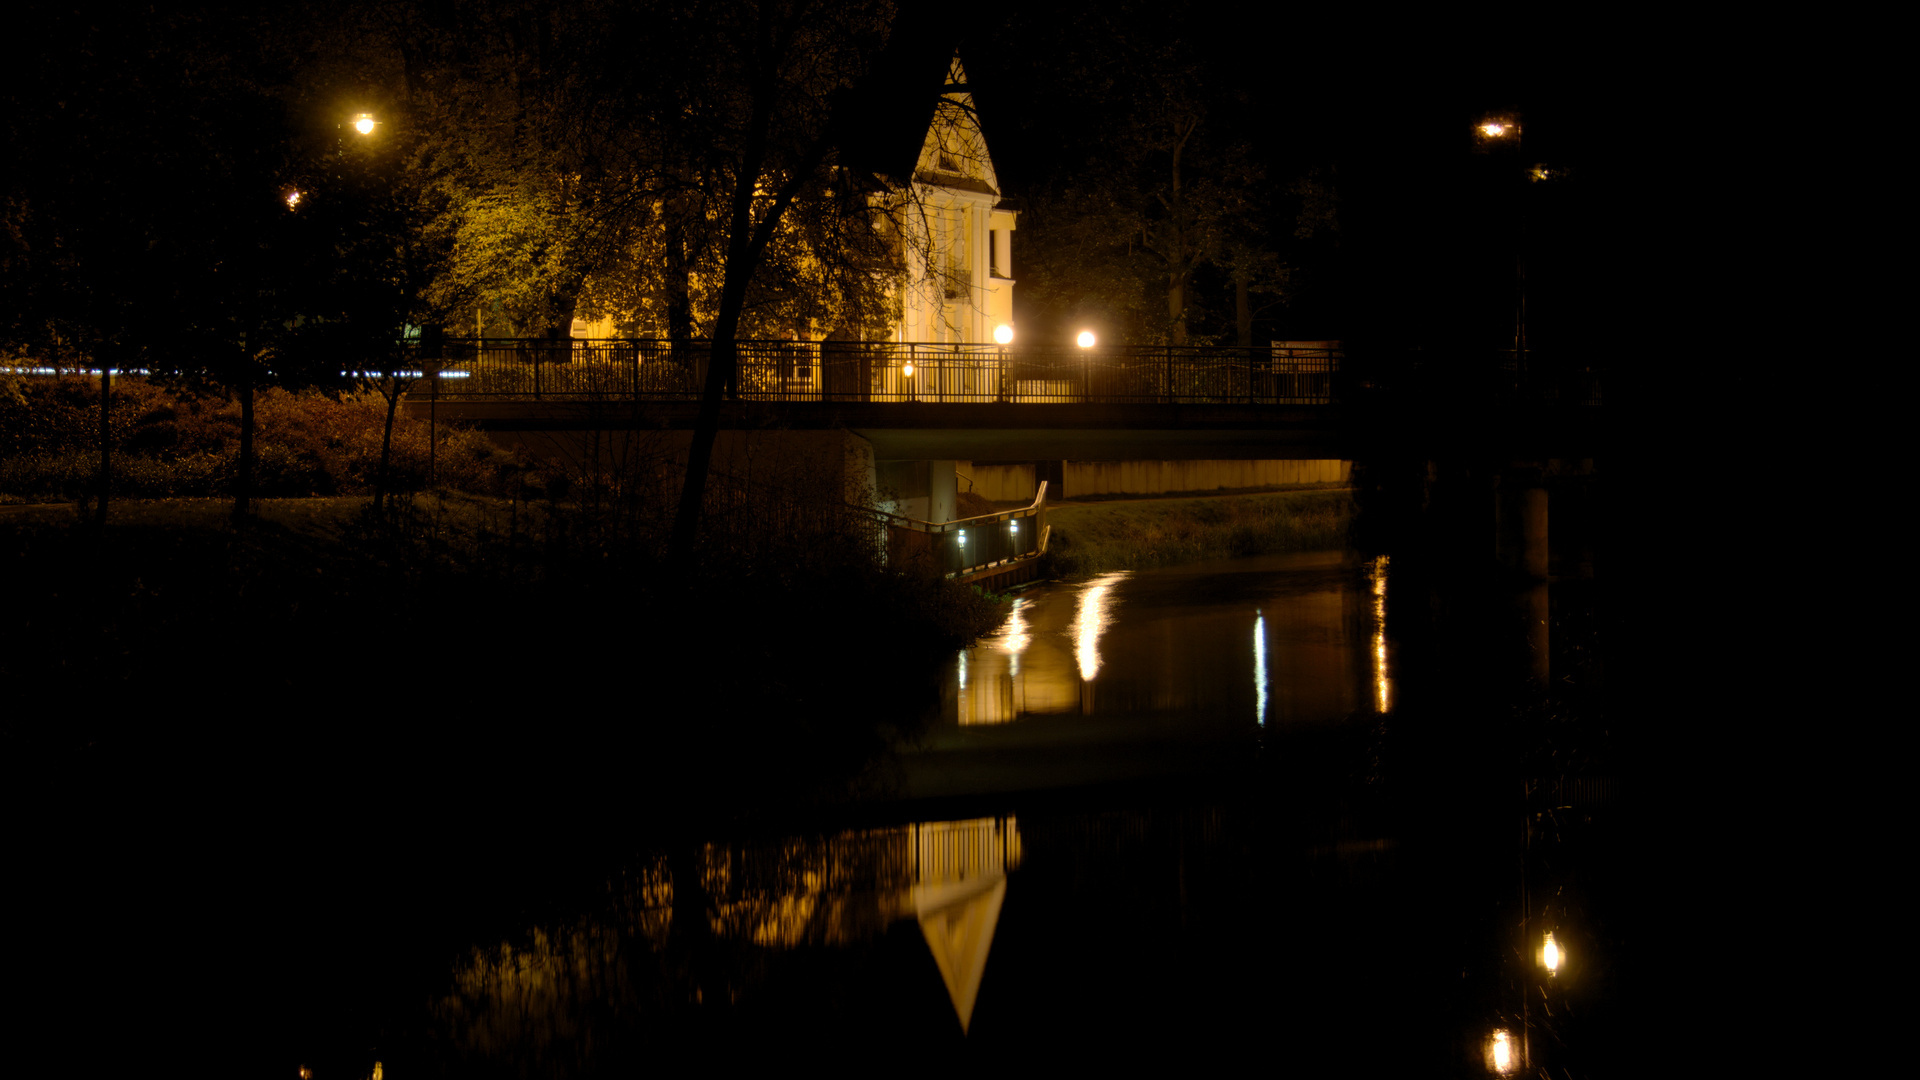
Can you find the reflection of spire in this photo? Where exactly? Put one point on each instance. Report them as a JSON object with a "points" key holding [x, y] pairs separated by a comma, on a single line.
{"points": [[960, 881], [1260, 667], [958, 921], [1093, 619]]}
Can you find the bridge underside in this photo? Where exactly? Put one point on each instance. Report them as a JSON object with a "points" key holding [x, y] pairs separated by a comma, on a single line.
{"points": [[970, 432]]}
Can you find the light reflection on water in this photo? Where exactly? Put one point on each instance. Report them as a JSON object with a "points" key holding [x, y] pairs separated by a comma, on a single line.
{"points": [[1173, 641]]}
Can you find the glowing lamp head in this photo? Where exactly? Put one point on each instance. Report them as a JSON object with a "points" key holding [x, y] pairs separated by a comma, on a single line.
{"points": [[293, 199], [907, 369], [1493, 129], [1551, 956], [1003, 334], [363, 123], [1085, 340]]}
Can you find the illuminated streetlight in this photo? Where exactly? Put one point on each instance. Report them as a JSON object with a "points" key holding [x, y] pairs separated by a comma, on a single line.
{"points": [[1551, 956], [1003, 334], [906, 369], [293, 199], [363, 123], [1085, 340], [1498, 128]]}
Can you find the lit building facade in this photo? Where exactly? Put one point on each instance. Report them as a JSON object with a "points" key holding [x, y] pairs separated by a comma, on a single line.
{"points": [[960, 277]]}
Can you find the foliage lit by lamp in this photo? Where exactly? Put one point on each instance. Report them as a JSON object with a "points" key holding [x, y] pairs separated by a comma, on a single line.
{"points": [[1085, 340], [363, 123], [1003, 334], [293, 199]]}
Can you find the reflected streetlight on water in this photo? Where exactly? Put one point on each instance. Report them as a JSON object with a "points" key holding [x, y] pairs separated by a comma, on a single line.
{"points": [[1092, 619], [1382, 687], [1501, 1055]]}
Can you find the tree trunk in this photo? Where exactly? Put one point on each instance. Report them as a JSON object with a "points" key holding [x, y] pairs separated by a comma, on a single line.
{"points": [[243, 482], [106, 442], [1242, 309], [706, 427], [392, 393], [679, 284], [723, 358], [1177, 307]]}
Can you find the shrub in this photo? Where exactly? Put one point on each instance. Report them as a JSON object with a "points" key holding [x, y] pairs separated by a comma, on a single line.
{"points": [[170, 442]]}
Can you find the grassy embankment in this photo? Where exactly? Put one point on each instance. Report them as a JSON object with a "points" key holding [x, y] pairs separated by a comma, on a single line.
{"points": [[170, 443], [518, 613], [1095, 537]]}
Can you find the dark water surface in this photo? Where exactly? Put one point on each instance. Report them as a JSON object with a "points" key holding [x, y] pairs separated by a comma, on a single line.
{"points": [[1271, 813]]}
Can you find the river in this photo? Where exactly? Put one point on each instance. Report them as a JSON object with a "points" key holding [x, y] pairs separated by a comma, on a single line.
{"points": [[1160, 812], [1295, 807]]}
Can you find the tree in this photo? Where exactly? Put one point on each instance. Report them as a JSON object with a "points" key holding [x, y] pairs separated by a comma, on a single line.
{"points": [[146, 200], [1157, 201]]}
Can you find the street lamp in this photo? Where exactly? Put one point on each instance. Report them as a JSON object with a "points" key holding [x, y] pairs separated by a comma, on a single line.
{"points": [[363, 123], [1002, 336], [1085, 341], [1505, 131]]}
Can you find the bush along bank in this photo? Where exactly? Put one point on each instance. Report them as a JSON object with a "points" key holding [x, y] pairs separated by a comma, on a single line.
{"points": [[169, 443], [1140, 535]]}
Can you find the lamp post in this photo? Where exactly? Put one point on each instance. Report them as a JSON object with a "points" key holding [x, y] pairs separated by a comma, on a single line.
{"points": [[1003, 336], [1500, 132], [1086, 341]]}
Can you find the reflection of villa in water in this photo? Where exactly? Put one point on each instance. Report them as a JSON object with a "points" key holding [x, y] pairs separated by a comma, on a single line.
{"points": [[949, 876]]}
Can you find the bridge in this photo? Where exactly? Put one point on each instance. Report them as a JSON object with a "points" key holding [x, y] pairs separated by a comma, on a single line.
{"points": [[921, 400], [916, 408]]}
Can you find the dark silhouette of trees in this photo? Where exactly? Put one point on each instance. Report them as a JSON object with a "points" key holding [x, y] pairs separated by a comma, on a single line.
{"points": [[1152, 212], [176, 204]]}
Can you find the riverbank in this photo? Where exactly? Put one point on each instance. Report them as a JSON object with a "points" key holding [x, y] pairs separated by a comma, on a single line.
{"points": [[1139, 534], [462, 637]]}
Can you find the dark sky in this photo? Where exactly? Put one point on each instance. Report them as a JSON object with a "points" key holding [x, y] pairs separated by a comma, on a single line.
{"points": [[1389, 102]]}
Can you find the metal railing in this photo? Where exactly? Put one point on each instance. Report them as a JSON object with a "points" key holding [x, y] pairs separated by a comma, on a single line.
{"points": [[1283, 374], [977, 543], [885, 372]]}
